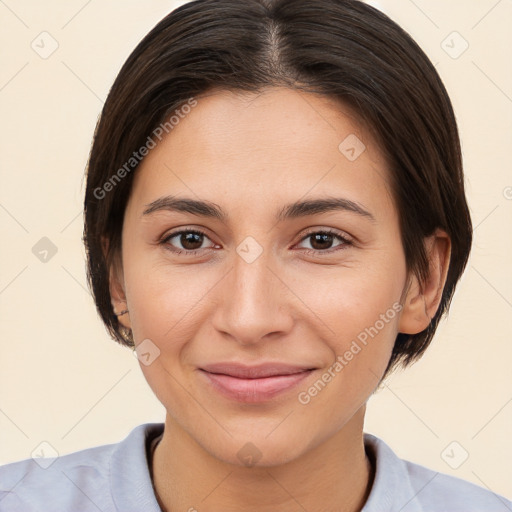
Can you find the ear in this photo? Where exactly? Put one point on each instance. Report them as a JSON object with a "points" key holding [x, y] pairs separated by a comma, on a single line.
{"points": [[422, 299], [117, 286]]}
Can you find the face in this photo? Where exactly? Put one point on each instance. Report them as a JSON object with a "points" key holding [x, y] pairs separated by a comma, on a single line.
{"points": [[265, 323]]}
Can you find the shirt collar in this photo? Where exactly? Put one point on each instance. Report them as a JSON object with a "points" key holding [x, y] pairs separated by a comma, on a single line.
{"points": [[132, 488], [130, 482], [391, 489]]}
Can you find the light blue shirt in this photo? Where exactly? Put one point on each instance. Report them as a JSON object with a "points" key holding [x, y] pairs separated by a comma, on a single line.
{"points": [[116, 478]]}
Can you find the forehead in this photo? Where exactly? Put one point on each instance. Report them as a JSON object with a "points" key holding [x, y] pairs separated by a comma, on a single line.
{"points": [[276, 145]]}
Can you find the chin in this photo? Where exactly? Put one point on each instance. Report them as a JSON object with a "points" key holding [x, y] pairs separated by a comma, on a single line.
{"points": [[259, 447]]}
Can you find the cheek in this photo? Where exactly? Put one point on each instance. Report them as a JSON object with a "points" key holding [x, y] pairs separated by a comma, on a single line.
{"points": [[362, 322], [350, 299], [169, 302], [166, 304], [358, 311], [163, 297]]}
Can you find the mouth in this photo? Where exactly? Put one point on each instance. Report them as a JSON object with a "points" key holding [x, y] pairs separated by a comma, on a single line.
{"points": [[252, 384]]}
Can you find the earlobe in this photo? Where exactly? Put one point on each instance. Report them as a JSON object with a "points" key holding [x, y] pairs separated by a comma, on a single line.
{"points": [[422, 299]]}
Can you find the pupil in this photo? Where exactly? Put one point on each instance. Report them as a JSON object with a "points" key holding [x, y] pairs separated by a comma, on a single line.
{"points": [[188, 238], [320, 240], [323, 238]]}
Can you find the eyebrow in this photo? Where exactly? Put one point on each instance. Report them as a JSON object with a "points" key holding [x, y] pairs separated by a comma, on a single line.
{"points": [[290, 211]]}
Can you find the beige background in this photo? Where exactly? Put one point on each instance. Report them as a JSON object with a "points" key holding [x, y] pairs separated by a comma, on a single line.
{"points": [[61, 378]]}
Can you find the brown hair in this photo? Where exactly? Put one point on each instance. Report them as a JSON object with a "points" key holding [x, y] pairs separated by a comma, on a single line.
{"points": [[344, 49]]}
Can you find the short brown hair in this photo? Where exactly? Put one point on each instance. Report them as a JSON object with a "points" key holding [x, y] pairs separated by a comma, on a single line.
{"points": [[343, 49]]}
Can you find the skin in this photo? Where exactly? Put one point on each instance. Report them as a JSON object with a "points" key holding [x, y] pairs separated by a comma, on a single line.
{"points": [[251, 154]]}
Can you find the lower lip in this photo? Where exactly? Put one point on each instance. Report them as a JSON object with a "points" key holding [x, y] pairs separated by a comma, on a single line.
{"points": [[254, 390]]}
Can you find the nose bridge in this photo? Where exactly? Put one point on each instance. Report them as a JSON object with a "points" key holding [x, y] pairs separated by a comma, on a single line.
{"points": [[252, 297]]}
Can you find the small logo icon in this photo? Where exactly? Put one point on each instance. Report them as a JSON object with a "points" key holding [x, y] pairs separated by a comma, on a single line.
{"points": [[454, 455], [44, 454], [249, 249], [249, 455], [146, 352], [44, 250], [44, 45], [351, 147], [454, 45]]}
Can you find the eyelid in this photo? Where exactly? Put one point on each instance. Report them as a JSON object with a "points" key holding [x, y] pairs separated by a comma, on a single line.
{"points": [[345, 239], [166, 237], [331, 231]]}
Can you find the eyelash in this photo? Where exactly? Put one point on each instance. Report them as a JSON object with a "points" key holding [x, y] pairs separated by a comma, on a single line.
{"points": [[345, 241]]}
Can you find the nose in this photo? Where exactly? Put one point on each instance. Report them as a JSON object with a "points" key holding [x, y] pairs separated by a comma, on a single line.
{"points": [[253, 302]]}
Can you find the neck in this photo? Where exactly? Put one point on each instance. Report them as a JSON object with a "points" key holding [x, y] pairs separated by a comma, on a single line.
{"points": [[334, 475]]}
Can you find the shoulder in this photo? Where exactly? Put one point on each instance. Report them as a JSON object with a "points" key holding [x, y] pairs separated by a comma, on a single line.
{"points": [[410, 487], [440, 491], [29, 483], [82, 480]]}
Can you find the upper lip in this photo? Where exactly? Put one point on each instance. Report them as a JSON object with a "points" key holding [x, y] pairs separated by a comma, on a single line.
{"points": [[243, 371]]}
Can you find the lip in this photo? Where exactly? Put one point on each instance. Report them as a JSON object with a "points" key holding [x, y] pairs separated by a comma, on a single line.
{"points": [[253, 384]]}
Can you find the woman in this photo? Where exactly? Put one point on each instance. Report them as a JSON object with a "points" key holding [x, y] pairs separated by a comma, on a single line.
{"points": [[275, 219]]}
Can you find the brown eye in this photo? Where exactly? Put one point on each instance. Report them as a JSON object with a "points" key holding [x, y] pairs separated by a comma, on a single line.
{"points": [[185, 241], [322, 241], [191, 241]]}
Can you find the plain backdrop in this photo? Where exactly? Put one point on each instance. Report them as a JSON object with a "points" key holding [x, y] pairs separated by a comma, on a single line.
{"points": [[64, 382]]}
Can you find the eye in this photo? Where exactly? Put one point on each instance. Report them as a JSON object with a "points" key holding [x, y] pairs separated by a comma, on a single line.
{"points": [[190, 241], [322, 241]]}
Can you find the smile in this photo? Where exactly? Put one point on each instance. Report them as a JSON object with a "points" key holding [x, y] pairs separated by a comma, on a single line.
{"points": [[256, 384]]}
